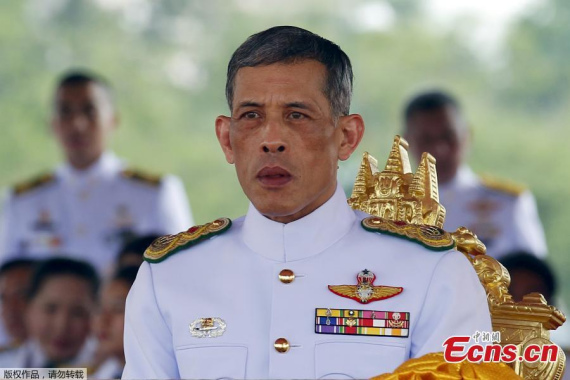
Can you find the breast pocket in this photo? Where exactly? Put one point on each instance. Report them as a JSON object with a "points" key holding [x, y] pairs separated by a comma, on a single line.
{"points": [[355, 360], [212, 362]]}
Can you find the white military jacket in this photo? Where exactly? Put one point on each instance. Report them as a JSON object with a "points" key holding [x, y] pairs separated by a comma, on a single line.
{"points": [[88, 214], [505, 221], [234, 278]]}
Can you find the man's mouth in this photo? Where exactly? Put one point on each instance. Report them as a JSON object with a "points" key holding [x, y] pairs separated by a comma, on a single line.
{"points": [[274, 176]]}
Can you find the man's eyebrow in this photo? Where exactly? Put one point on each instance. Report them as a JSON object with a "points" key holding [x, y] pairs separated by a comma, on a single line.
{"points": [[248, 103], [301, 105]]}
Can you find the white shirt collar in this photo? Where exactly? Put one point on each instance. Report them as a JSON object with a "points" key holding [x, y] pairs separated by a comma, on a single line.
{"points": [[31, 355], [106, 166], [302, 238]]}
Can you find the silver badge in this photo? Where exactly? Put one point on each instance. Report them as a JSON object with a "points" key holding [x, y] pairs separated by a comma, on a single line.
{"points": [[207, 327]]}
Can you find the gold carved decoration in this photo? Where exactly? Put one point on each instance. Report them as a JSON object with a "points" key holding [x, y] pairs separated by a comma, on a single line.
{"points": [[398, 195]]}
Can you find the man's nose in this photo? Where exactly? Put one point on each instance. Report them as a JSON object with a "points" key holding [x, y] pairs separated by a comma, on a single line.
{"points": [[441, 149], [79, 122], [274, 139]]}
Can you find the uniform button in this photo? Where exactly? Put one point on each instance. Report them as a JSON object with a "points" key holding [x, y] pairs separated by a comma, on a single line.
{"points": [[281, 345], [286, 276]]}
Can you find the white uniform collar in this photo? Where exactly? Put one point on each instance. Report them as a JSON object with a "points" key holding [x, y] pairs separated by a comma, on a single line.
{"points": [[32, 355], [106, 166], [302, 238], [109, 369]]}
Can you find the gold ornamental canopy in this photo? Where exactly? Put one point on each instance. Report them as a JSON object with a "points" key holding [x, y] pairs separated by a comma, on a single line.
{"points": [[397, 194]]}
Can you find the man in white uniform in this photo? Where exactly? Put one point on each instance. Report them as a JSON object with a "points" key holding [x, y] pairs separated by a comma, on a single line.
{"points": [[92, 203], [504, 216], [302, 286]]}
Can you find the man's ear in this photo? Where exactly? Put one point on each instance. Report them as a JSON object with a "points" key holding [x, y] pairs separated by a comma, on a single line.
{"points": [[466, 139], [352, 129], [116, 120], [223, 134]]}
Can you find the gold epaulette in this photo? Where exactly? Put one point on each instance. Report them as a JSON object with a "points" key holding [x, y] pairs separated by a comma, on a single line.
{"points": [[166, 246], [10, 346], [138, 175], [34, 183], [503, 186], [431, 237]]}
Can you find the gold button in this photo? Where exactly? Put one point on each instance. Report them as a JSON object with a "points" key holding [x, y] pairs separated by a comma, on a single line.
{"points": [[286, 276], [281, 345]]}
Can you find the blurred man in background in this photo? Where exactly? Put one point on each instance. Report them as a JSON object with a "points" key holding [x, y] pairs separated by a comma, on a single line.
{"points": [[92, 204], [529, 274], [110, 323], [131, 254], [504, 216], [61, 303], [15, 278]]}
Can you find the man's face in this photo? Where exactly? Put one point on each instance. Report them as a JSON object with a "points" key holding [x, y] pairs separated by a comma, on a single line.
{"points": [[109, 324], [283, 140], [59, 317], [442, 133], [83, 118], [14, 286], [525, 281]]}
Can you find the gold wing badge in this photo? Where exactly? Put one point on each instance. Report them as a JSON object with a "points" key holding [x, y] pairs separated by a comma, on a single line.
{"points": [[365, 291]]}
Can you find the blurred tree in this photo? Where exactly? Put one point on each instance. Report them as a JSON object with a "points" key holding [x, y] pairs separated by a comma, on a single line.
{"points": [[537, 75]]}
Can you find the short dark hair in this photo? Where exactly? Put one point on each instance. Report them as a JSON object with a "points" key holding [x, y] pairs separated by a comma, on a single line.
{"points": [[289, 44], [61, 266], [127, 274], [137, 245], [525, 260], [429, 101], [17, 264], [79, 77]]}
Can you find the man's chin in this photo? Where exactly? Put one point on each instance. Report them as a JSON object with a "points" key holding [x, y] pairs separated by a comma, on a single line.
{"points": [[275, 210]]}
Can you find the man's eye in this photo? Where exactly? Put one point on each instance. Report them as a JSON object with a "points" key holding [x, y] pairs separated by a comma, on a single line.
{"points": [[64, 112], [296, 116], [250, 115], [90, 111]]}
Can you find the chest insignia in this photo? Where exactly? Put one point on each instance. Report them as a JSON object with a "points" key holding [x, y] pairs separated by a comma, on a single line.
{"points": [[362, 322], [207, 327], [365, 291]]}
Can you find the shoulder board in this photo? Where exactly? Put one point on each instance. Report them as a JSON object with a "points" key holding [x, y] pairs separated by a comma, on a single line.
{"points": [[503, 186], [10, 347], [430, 237], [166, 246], [140, 176], [34, 183]]}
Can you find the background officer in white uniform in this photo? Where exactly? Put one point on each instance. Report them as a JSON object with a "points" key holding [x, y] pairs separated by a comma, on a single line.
{"points": [[251, 298], [504, 216], [93, 202]]}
